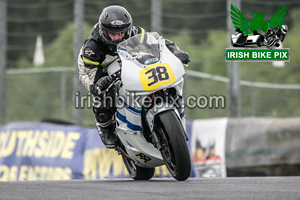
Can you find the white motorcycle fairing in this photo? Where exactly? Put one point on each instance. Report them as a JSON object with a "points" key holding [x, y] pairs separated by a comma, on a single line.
{"points": [[162, 70]]}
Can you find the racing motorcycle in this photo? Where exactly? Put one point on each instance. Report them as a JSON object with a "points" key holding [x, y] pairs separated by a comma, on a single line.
{"points": [[147, 81]]}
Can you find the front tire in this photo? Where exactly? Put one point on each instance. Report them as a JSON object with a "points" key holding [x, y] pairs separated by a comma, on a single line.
{"points": [[175, 151], [137, 172]]}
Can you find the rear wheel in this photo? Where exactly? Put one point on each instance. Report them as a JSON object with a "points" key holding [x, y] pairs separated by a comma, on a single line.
{"points": [[137, 172], [175, 151]]}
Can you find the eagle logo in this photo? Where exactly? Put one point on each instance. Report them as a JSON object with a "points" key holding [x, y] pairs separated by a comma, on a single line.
{"points": [[265, 33], [240, 22]]}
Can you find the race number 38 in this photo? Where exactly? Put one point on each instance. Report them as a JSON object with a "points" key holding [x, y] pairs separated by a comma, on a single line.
{"points": [[156, 75]]}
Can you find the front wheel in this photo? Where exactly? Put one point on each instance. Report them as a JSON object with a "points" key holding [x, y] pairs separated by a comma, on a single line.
{"points": [[137, 172], [175, 151]]}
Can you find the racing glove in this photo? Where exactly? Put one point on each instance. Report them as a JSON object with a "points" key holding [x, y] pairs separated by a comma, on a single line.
{"points": [[100, 85], [182, 55]]}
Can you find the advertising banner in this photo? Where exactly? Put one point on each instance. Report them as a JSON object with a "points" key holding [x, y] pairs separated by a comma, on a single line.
{"points": [[208, 147], [44, 151], [30, 151]]}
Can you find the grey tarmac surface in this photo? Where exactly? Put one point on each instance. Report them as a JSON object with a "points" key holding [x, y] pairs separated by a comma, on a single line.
{"points": [[127, 189]]}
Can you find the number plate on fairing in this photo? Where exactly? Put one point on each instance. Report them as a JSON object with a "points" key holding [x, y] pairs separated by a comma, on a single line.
{"points": [[156, 75], [143, 157]]}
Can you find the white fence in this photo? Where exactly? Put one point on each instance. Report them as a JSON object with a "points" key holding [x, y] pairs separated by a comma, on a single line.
{"points": [[47, 93]]}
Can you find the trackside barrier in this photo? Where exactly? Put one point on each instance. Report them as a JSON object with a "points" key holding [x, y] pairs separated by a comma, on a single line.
{"points": [[43, 151], [263, 147], [246, 147], [219, 147]]}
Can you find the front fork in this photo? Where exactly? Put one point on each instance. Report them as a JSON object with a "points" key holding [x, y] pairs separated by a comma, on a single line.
{"points": [[151, 123]]}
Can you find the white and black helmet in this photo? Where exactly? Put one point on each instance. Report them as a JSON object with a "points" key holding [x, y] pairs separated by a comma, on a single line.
{"points": [[114, 18]]}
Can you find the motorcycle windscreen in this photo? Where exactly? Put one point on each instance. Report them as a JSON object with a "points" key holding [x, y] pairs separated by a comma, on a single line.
{"points": [[144, 48], [153, 77]]}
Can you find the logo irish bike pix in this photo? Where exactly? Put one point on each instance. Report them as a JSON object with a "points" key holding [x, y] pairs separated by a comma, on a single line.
{"points": [[258, 39]]}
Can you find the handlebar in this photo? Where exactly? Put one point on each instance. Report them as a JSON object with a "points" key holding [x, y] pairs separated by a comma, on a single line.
{"points": [[114, 78], [116, 75]]}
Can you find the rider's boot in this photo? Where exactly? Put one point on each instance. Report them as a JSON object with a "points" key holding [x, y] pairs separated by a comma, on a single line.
{"points": [[108, 135], [106, 127]]}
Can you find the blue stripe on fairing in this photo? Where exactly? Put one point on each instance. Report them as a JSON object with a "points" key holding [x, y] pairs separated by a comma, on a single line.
{"points": [[131, 109], [121, 117], [130, 125], [182, 114]]}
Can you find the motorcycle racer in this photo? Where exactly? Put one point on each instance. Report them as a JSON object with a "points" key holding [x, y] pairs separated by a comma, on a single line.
{"points": [[98, 51]]}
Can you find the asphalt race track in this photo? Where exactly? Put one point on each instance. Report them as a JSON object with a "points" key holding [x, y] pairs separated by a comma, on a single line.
{"points": [[125, 189]]}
